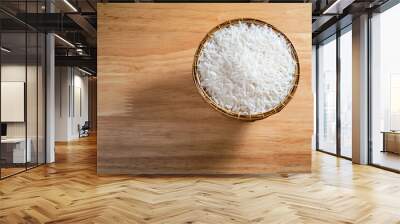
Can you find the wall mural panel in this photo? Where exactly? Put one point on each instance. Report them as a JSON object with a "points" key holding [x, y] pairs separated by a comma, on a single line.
{"points": [[151, 119]]}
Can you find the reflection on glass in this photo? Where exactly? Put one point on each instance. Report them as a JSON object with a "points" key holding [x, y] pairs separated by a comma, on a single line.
{"points": [[385, 114], [394, 101], [22, 90], [327, 96], [31, 100], [41, 98], [346, 93], [15, 151]]}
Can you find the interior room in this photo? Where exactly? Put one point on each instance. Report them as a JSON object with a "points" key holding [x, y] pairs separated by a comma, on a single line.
{"points": [[384, 90], [22, 102], [159, 111]]}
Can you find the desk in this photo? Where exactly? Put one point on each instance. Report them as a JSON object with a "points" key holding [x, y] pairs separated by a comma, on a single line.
{"points": [[391, 141], [16, 148]]}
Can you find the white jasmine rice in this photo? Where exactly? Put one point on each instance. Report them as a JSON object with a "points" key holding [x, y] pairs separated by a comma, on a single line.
{"points": [[247, 68]]}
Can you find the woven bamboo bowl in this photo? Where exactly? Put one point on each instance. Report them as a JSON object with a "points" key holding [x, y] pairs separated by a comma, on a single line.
{"points": [[244, 117]]}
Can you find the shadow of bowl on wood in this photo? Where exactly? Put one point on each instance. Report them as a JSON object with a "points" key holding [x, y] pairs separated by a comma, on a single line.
{"points": [[167, 128]]}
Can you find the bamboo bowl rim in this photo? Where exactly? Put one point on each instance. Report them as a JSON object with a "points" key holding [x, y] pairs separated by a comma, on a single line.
{"points": [[231, 114]]}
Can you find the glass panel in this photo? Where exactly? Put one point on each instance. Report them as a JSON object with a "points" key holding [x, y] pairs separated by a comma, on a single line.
{"points": [[31, 100], [32, 90], [23, 90], [346, 93], [41, 98], [327, 96], [13, 89], [385, 81]]}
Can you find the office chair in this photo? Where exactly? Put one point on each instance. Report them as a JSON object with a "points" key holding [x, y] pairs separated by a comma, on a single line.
{"points": [[84, 130]]}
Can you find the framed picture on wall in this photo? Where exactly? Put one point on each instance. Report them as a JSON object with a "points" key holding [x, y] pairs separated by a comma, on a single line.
{"points": [[12, 101]]}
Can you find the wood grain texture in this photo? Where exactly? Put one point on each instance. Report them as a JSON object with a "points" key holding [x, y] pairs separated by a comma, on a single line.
{"points": [[151, 119], [70, 191]]}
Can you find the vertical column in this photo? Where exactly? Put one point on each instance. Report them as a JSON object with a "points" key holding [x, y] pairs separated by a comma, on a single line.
{"points": [[50, 92], [360, 90], [338, 77], [50, 99]]}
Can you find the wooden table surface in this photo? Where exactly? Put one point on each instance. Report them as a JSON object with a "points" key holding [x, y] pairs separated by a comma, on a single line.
{"points": [[152, 120]]}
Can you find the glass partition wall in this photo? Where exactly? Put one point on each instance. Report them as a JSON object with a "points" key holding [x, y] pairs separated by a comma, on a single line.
{"points": [[22, 98], [334, 93], [13, 89], [385, 89], [327, 95], [346, 95]]}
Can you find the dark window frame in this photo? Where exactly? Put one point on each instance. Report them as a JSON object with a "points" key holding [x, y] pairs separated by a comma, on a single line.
{"points": [[334, 37]]}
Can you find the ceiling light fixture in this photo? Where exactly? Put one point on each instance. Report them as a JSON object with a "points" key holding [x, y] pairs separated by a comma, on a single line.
{"points": [[84, 71], [337, 7], [5, 50], [65, 41], [79, 51], [70, 5]]}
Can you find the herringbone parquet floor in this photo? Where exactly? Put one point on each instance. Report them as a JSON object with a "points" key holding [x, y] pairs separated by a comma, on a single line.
{"points": [[69, 191]]}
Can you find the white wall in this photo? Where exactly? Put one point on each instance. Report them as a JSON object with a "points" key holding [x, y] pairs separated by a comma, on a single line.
{"points": [[16, 73], [33, 127], [80, 109], [70, 83], [62, 81], [9, 73]]}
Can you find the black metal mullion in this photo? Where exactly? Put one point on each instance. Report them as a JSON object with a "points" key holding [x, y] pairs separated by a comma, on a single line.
{"points": [[317, 96], [26, 87], [37, 90], [385, 6], [45, 95], [45, 89], [333, 154], [338, 76], [369, 90], [318, 5]]}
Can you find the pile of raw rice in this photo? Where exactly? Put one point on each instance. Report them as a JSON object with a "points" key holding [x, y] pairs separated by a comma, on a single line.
{"points": [[247, 68]]}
